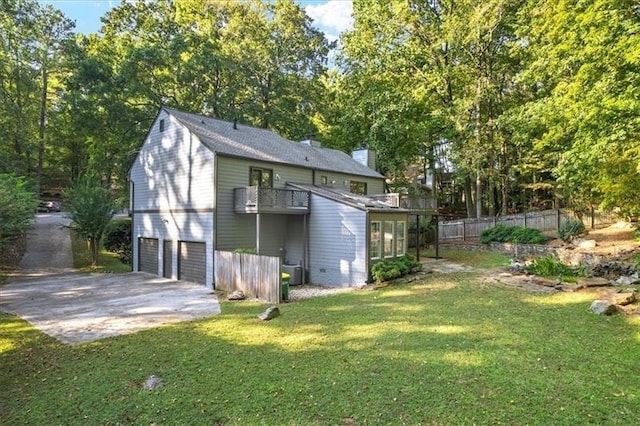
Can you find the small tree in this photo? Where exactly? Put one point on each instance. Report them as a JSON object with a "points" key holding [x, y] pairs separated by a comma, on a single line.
{"points": [[91, 208]]}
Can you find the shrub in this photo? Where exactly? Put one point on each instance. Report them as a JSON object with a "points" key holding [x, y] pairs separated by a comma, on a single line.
{"points": [[549, 266], [394, 268], [570, 229], [17, 208], [117, 239], [245, 250], [512, 234]]}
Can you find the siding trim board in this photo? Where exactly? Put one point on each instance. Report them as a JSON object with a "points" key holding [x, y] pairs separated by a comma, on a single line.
{"points": [[195, 210]]}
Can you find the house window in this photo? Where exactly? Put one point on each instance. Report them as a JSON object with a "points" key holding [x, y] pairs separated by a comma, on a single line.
{"points": [[375, 243], [401, 238], [359, 188], [261, 177], [388, 238], [323, 180], [161, 125]]}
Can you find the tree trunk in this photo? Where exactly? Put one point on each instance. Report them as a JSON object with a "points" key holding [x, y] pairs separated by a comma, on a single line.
{"points": [[468, 197], [478, 194], [41, 130], [93, 246]]}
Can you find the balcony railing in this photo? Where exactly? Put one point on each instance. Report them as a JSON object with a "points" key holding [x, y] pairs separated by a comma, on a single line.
{"points": [[410, 202], [255, 199]]}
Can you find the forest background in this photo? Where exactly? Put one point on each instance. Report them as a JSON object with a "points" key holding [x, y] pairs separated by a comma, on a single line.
{"points": [[513, 105]]}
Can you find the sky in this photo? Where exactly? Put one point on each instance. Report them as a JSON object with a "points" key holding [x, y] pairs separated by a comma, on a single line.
{"points": [[330, 16]]}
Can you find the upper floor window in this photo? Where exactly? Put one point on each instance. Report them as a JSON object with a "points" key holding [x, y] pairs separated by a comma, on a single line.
{"points": [[161, 125], [261, 177], [323, 180], [359, 188]]}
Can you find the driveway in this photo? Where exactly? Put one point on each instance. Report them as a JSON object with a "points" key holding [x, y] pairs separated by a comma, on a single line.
{"points": [[76, 308]]}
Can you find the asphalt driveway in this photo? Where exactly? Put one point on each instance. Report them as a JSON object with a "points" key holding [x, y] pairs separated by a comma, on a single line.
{"points": [[76, 308]]}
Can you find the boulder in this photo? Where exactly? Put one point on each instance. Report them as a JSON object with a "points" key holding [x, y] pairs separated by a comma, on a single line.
{"points": [[603, 307], [585, 244], [622, 299], [592, 282], [628, 280], [237, 295], [271, 313]]}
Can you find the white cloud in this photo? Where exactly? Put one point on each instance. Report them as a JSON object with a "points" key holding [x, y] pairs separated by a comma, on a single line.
{"points": [[332, 16]]}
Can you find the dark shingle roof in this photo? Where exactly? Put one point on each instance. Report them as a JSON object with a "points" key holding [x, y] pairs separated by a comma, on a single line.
{"points": [[265, 145]]}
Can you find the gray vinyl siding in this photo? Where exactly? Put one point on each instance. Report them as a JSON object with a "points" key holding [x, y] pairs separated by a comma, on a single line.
{"points": [[337, 244], [236, 230], [167, 259], [294, 244], [173, 170], [172, 199], [343, 181]]}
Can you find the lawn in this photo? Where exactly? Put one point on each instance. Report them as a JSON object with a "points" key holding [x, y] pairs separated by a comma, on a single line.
{"points": [[448, 350]]}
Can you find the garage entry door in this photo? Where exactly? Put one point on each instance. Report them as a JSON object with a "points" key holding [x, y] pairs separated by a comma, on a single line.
{"points": [[192, 262], [148, 255]]}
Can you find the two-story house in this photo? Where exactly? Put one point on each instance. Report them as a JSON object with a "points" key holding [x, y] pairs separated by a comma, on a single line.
{"points": [[200, 184]]}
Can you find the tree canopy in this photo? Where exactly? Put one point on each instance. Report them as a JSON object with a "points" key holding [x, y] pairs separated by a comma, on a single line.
{"points": [[535, 103]]}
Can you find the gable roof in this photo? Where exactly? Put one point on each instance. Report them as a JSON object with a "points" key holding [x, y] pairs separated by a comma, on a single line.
{"points": [[361, 202], [265, 145]]}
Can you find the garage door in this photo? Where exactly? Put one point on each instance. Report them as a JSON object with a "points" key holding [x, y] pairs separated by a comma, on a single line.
{"points": [[192, 262], [167, 259], [148, 255]]}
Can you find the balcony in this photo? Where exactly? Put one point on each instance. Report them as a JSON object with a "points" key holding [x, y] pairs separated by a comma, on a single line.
{"points": [[255, 199], [409, 202]]}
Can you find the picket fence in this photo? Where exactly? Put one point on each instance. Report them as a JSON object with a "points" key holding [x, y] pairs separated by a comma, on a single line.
{"points": [[546, 220], [256, 276]]}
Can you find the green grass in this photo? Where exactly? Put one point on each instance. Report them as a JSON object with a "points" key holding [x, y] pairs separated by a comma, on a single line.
{"points": [[447, 351], [107, 261], [481, 259]]}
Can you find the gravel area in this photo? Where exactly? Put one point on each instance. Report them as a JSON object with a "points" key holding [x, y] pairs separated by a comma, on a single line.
{"points": [[307, 291]]}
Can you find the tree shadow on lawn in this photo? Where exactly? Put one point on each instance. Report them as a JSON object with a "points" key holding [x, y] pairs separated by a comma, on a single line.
{"points": [[445, 351]]}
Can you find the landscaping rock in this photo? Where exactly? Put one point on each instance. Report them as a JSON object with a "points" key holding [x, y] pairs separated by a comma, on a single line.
{"points": [[592, 282], [153, 382], [627, 280], [603, 307], [271, 313], [237, 295], [622, 299], [570, 288], [547, 282], [585, 244]]}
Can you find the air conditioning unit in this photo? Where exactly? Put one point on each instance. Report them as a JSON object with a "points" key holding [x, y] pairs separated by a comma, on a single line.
{"points": [[295, 273]]}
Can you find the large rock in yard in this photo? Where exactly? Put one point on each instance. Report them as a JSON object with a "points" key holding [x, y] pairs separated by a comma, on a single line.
{"points": [[592, 282], [271, 313], [622, 299], [603, 307], [237, 295]]}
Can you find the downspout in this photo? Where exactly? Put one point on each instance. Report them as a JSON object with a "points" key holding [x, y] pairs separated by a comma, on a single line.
{"points": [[214, 231], [367, 245]]}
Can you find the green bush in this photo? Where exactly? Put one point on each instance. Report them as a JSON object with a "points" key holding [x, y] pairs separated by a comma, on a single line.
{"points": [[549, 266], [512, 234], [17, 207], [117, 239], [570, 229], [394, 268]]}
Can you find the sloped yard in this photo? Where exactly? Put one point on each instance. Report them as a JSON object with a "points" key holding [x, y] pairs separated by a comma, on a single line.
{"points": [[448, 349]]}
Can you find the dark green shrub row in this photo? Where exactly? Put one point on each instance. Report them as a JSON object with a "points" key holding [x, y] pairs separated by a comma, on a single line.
{"points": [[570, 229], [117, 239], [512, 234], [386, 270]]}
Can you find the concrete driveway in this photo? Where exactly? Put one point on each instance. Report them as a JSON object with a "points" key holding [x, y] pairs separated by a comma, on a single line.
{"points": [[76, 308]]}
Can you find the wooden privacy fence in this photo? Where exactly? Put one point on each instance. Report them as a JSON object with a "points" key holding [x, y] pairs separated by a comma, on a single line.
{"points": [[547, 220], [256, 276]]}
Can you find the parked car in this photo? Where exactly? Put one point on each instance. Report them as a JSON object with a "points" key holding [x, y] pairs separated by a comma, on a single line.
{"points": [[48, 206]]}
